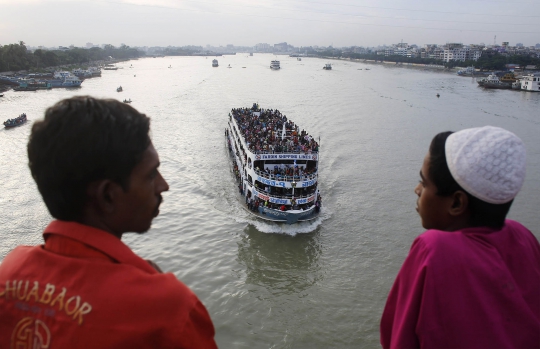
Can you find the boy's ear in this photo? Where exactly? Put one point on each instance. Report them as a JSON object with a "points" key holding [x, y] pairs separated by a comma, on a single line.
{"points": [[460, 203]]}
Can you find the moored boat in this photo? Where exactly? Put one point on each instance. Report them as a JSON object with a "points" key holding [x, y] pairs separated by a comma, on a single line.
{"points": [[469, 71], [32, 85], [493, 81], [497, 85], [531, 82], [81, 73], [25, 88], [275, 65], [110, 67], [275, 165], [508, 78], [64, 79], [19, 120]]}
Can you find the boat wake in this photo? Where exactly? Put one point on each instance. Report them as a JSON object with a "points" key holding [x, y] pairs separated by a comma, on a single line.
{"points": [[288, 229], [268, 227]]}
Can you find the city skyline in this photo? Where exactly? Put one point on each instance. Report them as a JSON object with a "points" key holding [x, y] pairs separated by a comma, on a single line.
{"points": [[366, 23]]}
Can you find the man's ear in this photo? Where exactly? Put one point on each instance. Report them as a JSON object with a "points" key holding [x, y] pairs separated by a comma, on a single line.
{"points": [[460, 203], [102, 194]]}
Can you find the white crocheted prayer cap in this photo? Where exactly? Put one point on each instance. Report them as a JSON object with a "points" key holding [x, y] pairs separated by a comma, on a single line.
{"points": [[488, 162]]}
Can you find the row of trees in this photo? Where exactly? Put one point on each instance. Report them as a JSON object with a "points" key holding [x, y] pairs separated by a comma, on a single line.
{"points": [[491, 60], [16, 57]]}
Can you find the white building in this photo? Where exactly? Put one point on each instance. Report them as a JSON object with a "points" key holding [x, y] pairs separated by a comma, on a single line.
{"points": [[458, 52]]}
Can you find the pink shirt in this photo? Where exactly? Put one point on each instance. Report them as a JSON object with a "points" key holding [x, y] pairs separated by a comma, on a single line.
{"points": [[474, 288]]}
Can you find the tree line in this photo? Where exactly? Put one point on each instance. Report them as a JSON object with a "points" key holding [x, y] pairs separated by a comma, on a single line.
{"points": [[14, 57], [490, 60]]}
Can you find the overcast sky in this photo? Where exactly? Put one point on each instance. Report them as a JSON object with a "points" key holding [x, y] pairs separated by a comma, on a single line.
{"points": [[246, 23]]}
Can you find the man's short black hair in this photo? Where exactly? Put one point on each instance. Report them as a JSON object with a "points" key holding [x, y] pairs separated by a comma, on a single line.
{"points": [[81, 140], [482, 213]]}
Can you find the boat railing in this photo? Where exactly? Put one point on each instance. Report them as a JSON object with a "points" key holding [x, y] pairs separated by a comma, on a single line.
{"points": [[285, 196], [278, 177], [283, 152]]}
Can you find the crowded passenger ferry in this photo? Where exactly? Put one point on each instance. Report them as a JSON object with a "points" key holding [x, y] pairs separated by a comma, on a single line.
{"points": [[275, 165]]}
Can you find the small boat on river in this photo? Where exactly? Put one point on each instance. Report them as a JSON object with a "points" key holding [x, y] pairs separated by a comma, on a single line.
{"points": [[275, 165], [18, 121], [215, 63], [327, 66], [119, 89], [274, 65]]}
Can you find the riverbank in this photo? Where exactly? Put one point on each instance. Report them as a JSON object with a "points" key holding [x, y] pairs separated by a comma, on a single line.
{"points": [[399, 64], [11, 79]]}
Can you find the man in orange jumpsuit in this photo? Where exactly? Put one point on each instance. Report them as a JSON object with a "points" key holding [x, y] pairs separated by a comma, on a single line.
{"points": [[97, 171]]}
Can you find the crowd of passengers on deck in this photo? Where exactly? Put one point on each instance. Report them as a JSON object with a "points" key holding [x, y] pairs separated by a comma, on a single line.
{"points": [[264, 133]]}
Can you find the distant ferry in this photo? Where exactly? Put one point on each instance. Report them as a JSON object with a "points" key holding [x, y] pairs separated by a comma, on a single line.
{"points": [[276, 165], [215, 63], [274, 65]]}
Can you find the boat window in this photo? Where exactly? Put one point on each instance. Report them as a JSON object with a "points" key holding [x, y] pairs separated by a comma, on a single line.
{"points": [[250, 180]]}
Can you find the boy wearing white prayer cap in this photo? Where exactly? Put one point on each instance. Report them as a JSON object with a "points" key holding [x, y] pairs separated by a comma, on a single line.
{"points": [[472, 280]]}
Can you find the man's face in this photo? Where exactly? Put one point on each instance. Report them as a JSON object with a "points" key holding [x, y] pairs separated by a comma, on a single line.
{"points": [[140, 203], [432, 208]]}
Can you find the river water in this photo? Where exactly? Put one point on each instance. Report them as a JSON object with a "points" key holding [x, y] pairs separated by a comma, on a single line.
{"points": [[315, 285]]}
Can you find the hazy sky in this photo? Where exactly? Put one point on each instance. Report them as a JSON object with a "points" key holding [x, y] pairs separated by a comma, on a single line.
{"points": [[246, 23]]}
